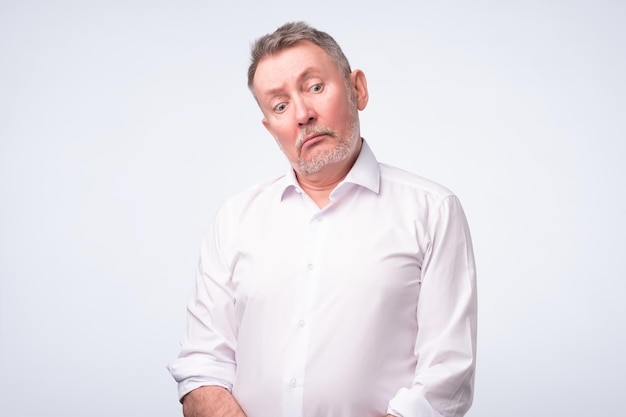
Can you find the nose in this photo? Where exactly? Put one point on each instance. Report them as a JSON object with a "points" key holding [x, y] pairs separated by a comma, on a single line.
{"points": [[305, 113]]}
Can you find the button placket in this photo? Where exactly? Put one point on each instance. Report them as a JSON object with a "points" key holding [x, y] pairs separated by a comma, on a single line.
{"points": [[295, 378]]}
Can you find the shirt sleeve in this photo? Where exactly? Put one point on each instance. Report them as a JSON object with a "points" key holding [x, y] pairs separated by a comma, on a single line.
{"points": [[207, 355], [446, 317]]}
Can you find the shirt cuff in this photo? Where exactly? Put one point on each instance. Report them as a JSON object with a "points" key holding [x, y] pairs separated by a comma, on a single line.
{"points": [[188, 385], [191, 375], [407, 404]]}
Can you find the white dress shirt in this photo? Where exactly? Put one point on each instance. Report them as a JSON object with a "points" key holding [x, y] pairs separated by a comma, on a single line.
{"points": [[359, 309]]}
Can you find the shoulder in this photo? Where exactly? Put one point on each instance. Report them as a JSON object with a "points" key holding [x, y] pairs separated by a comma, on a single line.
{"points": [[266, 191], [397, 178], [435, 207]]}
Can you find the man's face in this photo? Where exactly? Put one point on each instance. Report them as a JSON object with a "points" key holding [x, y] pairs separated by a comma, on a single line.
{"points": [[308, 107]]}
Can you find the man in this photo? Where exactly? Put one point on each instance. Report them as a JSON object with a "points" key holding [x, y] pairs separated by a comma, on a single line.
{"points": [[342, 288]]}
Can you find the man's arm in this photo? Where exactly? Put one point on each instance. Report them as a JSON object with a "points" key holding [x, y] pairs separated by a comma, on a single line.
{"points": [[211, 401], [207, 356], [446, 319]]}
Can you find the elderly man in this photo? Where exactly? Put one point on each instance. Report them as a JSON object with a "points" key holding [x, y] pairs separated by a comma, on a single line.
{"points": [[342, 288]]}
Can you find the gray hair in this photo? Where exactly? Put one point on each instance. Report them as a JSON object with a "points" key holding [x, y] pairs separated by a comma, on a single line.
{"points": [[289, 34]]}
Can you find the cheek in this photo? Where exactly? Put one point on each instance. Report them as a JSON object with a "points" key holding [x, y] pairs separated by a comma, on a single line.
{"points": [[338, 113], [285, 136]]}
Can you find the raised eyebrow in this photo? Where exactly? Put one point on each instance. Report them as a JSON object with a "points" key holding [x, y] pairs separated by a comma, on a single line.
{"points": [[308, 73], [279, 91]]}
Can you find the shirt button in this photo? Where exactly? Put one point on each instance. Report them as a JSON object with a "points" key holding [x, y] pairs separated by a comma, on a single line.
{"points": [[293, 382], [319, 220], [301, 323], [310, 266]]}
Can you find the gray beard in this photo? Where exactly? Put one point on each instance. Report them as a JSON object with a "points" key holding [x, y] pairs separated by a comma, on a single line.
{"points": [[319, 159]]}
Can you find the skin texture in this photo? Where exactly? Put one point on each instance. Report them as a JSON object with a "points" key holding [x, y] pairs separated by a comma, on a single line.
{"points": [[303, 95], [211, 402]]}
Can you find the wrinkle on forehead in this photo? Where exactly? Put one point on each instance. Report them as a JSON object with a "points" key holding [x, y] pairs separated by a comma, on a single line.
{"points": [[285, 69]]}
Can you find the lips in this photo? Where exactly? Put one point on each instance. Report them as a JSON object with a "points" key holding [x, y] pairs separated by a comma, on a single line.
{"points": [[312, 137], [312, 134]]}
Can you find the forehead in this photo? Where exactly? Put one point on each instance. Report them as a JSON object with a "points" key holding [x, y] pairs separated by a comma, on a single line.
{"points": [[291, 64]]}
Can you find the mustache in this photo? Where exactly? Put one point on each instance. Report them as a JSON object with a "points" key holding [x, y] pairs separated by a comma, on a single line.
{"points": [[313, 130]]}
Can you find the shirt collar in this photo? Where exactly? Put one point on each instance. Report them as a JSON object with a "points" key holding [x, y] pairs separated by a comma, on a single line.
{"points": [[365, 173]]}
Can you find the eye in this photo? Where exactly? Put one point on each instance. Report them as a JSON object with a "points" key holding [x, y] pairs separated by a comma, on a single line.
{"points": [[316, 88], [280, 107]]}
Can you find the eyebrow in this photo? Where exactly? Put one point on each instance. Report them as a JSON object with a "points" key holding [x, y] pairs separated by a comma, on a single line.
{"points": [[278, 90]]}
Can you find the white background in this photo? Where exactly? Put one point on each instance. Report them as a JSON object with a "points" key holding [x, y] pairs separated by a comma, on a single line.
{"points": [[124, 124]]}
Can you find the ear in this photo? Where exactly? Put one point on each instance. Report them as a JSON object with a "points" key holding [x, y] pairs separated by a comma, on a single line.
{"points": [[359, 84], [268, 127]]}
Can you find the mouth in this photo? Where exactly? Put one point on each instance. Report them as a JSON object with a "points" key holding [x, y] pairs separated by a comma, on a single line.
{"points": [[313, 138]]}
